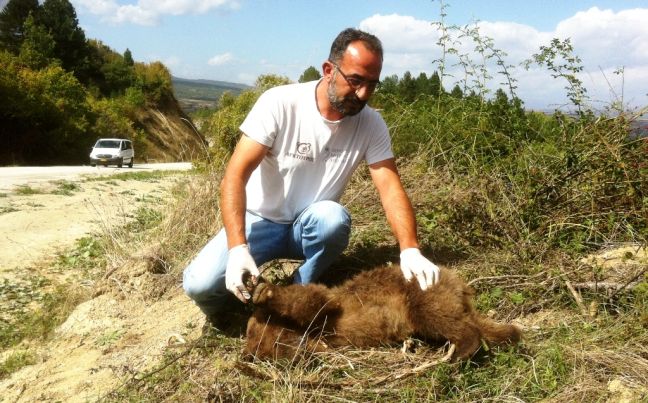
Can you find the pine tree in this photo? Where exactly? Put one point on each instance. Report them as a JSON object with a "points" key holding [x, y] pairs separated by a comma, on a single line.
{"points": [[407, 87], [457, 92], [436, 88], [128, 58], [12, 23], [310, 74], [37, 49], [59, 17]]}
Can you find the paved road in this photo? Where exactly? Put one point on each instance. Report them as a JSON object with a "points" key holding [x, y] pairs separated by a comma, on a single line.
{"points": [[10, 177]]}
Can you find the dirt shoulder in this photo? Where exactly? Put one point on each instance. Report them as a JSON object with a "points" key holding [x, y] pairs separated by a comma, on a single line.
{"points": [[44, 216], [116, 333]]}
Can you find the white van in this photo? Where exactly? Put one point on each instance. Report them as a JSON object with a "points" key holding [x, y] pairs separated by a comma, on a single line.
{"points": [[112, 152]]}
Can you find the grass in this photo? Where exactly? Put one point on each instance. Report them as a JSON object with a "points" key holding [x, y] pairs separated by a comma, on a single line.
{"points": [[66, 188], [512, 201], [143, 176], [16, 361], [565, 356], [26, 190], [8, 209], [34, 306]]}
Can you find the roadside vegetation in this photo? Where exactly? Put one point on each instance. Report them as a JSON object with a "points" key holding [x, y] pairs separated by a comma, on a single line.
{"points": [[530, 208], [37, 300], [62, 91], [520, 203]]}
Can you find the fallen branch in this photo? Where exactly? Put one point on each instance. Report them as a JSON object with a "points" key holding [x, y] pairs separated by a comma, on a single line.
{"points": [[505, 278], [251, 370], [575, 294], [604, 286], [632, 280], [418, 369]]}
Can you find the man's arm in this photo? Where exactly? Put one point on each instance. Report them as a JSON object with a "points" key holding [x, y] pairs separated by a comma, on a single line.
{"points": [[395, 202], [401, 218], [246, 157]]}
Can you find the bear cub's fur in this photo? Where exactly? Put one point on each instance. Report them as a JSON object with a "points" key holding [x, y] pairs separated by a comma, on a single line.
{"points": [[374, 308]]}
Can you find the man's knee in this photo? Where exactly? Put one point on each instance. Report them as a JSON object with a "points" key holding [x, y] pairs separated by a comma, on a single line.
{"points": [[199, 288], [333, 220]]}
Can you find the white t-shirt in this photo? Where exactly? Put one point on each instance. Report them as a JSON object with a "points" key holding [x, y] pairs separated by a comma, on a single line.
{"points": [[310, 158]]}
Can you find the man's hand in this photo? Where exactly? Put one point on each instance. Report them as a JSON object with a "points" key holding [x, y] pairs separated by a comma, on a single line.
{"points": [[239, 264], [413, 264]]}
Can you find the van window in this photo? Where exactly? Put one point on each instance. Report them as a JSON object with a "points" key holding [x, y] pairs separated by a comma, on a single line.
{"points": [[107, 144]]}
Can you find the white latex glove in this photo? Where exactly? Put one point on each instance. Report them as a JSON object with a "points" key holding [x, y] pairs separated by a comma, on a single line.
{"points": [[413, 264], [240, 263]]}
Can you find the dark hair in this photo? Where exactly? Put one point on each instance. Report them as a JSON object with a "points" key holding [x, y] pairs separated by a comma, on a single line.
{"points": [[349, 35]]}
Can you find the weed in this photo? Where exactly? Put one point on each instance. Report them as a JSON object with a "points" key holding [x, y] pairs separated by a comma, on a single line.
{"points": [[34, 306], [144, 176], [8, 209], [86, 255], [37, 322], [145, 218], [109, 338], [15, 361], [65, 188], [26, 190]]}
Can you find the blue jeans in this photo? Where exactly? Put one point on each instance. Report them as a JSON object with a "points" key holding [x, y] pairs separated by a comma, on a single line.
{"points": [[318, 235]]}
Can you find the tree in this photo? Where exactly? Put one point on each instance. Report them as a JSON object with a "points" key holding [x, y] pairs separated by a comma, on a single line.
{"points": [[407, 87], [457, 92], [310, 74], [389, 85], [59, 17], [12, 23], [436, 88], [423, 84], [128, 58], [37, 49], [267, 81]]}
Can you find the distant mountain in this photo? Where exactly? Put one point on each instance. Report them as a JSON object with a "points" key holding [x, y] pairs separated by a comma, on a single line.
{"points": [[195, 94]]}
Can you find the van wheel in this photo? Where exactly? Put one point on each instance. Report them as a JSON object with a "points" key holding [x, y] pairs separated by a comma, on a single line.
{"points": [[130, 164], [120, 163], [93, 165]]}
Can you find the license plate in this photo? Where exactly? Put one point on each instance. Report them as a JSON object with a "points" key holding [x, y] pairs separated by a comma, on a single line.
{"points": [[104, 160]]}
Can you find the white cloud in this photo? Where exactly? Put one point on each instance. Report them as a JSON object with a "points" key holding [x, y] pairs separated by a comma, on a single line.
{"points": [[97, 7], [403, 33], [148, 12], [221, 59], [604, 40], [605, 37], [134, 15]]}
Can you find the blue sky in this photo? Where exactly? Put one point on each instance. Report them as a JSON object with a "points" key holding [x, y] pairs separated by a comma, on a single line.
{"points": [[237, 40]]}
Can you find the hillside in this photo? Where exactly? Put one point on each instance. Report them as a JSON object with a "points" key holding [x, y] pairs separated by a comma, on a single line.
{"points": [[196, 94], [169, 134]]}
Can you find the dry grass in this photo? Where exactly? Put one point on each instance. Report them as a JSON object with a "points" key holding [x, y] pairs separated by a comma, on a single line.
{"points": [[567, 353]]}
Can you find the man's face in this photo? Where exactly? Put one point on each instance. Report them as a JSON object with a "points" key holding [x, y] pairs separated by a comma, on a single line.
{"points": [[353, 79], [348, 104]]}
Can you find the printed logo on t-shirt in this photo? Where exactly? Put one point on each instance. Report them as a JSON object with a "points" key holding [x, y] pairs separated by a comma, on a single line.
{"points": [[335, 154], [303, 152]]}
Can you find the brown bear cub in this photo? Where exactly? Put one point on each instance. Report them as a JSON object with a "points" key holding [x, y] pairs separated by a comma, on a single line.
{"points": [[376, 307]]}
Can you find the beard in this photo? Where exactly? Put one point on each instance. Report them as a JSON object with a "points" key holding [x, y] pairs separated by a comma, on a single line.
{"points": [[348, 105]]}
